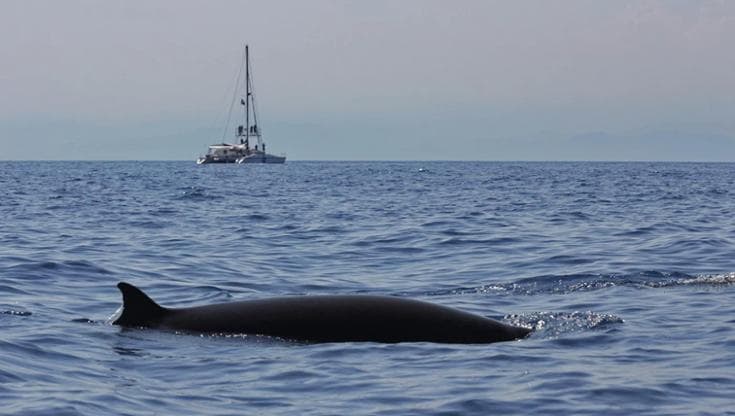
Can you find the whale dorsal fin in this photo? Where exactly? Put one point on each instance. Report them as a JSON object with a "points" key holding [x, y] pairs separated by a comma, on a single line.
{"points": [[138, 309]]}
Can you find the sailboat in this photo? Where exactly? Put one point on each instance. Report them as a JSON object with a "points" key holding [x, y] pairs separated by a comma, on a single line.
{"points": [[241, 151]]}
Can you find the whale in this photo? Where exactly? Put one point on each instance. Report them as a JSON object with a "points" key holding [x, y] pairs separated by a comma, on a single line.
{"points": [[320, 319]]}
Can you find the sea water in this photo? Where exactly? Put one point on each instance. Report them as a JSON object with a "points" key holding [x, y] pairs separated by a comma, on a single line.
{"points": [[626, 272]]}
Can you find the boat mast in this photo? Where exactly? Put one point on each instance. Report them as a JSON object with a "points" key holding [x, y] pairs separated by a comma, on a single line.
{"points": [[247, 96]]}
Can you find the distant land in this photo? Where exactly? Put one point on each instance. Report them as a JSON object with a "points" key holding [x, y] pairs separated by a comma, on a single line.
{"points": [[185, 140]]}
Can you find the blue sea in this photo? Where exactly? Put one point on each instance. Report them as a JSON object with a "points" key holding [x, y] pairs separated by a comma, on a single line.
{"points": [[626, 272]]}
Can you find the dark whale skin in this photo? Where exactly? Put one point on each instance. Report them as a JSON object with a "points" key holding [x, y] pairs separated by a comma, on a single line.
{"points": [[348, 318]]}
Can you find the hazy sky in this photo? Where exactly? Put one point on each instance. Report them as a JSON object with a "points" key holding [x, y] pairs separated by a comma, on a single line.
{"points": [[371, 79]]}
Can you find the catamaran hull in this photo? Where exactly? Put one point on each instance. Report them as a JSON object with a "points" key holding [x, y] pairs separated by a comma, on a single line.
{"points": [[207, 160], [262, 158]]}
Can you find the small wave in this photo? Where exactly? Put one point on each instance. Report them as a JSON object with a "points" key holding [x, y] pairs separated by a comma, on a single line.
{"points": [[195, 193], [32, 269], [15, 312], [345, 216], [250, 338], [489, 242], [84, 321], [163, 211], [566, 284], [257, 217], [327, 229], [555, 324], [148, 224], [440, 223], [705, 280], [569, 260], [7, 289], [397, 250]]}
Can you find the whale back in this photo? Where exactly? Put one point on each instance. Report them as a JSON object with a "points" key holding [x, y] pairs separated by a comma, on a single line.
{"points": [[330, 318], [139, 310]]}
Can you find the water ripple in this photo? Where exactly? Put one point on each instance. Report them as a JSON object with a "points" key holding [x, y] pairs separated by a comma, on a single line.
{"points": [[623, 270]]}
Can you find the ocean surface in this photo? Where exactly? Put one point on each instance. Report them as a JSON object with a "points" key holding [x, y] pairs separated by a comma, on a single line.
{"points": [[626, 272]]}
